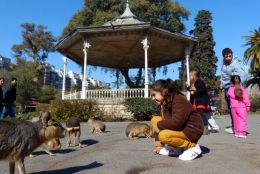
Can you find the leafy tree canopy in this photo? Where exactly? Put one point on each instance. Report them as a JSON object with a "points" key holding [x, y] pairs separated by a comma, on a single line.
{"points": [[164, 13], [204, 59], [47, 94], [36, 43], [27, 74]]}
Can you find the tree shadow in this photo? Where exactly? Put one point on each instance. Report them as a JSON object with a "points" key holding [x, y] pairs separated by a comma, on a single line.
{"points": [[74, 169]]}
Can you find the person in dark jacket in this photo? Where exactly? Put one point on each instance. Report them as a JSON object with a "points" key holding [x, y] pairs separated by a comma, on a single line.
{"points": [[2, 80], [179, 125], [199, 97], [9, 99]]}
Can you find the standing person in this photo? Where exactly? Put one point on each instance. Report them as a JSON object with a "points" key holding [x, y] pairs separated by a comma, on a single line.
{"points": [[199, 97], [179, 124], [212, 125], [2, 80], [240, 105], [9, 98], [229, 68]]}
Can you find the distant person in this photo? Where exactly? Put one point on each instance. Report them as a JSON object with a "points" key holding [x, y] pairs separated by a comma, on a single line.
{"points": [[9, 99], [199, 97], [212, 125], [179, 125], [227, 70], [2, 80], [240, 105]]}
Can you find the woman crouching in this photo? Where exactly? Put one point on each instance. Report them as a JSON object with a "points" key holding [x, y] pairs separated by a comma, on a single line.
{"points": [[179, 125]]}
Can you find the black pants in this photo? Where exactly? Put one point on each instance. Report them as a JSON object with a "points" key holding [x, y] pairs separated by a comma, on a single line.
{"points": [[203, 116], [228, 105]]}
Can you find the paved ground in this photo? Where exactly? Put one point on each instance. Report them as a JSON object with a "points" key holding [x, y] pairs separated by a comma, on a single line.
{"points": [[113, 153]]}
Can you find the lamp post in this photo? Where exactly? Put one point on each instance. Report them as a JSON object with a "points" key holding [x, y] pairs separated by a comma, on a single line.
{"points": [[64, 59]]}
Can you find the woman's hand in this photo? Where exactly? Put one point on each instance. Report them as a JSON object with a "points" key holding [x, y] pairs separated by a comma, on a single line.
{"points": [[156, 150]]}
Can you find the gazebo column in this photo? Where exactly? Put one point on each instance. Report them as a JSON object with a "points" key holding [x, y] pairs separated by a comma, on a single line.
{"points": [[187, 54], [64, 59], [146, 46], [183, 77], [84, 82]]}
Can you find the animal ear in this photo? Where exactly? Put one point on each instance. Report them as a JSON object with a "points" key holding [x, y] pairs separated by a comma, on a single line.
{"points": [[45, 118]]}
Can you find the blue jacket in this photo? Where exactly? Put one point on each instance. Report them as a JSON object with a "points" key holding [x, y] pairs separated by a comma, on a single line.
{"points": [[229, 69]]}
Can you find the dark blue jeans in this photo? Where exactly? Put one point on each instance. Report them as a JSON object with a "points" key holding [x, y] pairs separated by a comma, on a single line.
{"points": [[8, 110], [228, 105]]}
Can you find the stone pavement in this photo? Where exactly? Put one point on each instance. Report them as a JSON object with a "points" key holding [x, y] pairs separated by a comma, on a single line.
{"points": [[113, 153]]}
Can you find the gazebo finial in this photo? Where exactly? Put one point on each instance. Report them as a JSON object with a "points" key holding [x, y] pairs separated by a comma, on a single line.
{"points": [[126, 18], [127, 13]]}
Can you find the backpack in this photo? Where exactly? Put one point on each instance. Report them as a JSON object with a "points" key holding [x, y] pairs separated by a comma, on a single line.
{"points": [[244, 72]]}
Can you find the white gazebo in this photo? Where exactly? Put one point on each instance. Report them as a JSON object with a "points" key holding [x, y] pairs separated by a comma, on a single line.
{"points": [[126, 42]]}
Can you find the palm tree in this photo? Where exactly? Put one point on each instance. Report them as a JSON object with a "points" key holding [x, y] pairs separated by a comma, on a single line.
{"points": [[254, 79], [253, 52]]}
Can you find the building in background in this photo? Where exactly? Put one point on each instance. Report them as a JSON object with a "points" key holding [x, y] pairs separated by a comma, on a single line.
{"points": [[5, 63], [54, 78]]}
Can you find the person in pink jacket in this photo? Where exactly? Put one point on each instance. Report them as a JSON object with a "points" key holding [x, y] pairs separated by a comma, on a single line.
{"points": [[240, 105]]}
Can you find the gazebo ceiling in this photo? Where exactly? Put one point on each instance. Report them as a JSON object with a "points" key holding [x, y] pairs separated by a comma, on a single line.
{"points": [[118, 44]]}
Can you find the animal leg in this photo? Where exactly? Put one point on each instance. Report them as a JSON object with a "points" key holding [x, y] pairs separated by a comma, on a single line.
{"points": [[11, 167], [91, 130], [147, 136], [68, 142], [131, 136], [46, 150], [21, 166], [78, 134], [75, 138], [99, 130]]}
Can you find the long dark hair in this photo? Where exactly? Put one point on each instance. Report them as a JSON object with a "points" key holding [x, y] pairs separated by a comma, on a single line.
{"points": [[168, 84], [235, 79]]}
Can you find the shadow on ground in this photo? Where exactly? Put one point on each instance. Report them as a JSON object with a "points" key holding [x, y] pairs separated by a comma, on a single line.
{"points": [[72, 169]]}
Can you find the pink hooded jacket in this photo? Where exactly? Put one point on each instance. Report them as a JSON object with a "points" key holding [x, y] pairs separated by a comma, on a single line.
{"points": [[238, 103]]}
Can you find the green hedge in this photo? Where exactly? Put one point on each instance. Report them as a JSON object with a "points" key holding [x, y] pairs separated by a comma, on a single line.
{"points": [[141, 108], [82, 108]]}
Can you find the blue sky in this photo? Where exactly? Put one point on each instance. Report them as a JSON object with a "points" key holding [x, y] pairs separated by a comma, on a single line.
{"points": [[231, 20]]}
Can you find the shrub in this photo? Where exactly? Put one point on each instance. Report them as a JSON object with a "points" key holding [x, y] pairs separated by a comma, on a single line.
{"points": [[42, 107], [82, 108], [27, 116], [141, 108], [254, 97]]}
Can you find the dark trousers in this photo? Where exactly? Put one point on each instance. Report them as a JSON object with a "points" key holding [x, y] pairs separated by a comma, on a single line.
{"points": [[8, 110], [203, 116], [228, 105]]}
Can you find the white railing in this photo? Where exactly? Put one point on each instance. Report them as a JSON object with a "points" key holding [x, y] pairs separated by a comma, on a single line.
{"points": [[107, 95]]}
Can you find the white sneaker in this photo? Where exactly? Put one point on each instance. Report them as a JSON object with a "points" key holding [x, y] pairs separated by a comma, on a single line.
{"points": [[229, 130], [170, 150], [191, 153], [242, 136]]}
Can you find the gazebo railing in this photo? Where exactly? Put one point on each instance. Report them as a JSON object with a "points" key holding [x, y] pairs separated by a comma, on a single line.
{"points": [[107, 95]]}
